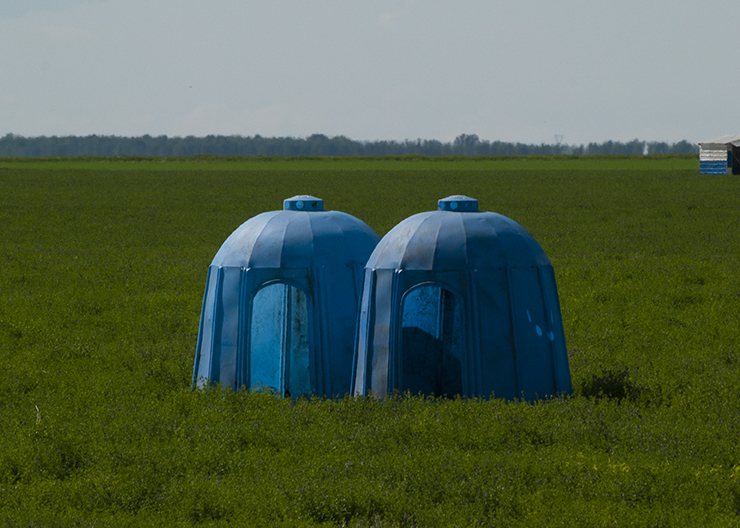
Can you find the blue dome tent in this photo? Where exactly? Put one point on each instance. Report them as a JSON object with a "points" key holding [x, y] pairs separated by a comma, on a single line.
{"points": [[281, 299], [460, 302]]}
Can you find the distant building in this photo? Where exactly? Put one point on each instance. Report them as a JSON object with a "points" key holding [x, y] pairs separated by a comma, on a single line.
{"points": [[720, 155]]}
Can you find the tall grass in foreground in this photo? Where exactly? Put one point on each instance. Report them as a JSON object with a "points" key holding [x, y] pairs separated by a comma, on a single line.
{"points": [[101, 285]]}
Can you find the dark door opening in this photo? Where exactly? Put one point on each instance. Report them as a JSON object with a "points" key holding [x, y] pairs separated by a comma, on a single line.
{"points": [[431, 343]]}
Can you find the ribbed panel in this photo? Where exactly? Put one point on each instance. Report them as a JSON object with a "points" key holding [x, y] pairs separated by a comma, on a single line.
{"points": [[713, 167], [713, 155]]}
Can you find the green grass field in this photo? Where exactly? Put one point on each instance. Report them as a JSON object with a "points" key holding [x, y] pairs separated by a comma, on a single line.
{"points": [[104, 266]]}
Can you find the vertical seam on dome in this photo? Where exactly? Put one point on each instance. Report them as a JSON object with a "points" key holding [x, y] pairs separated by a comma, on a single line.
{"points": [[283, 229], [382, 247], [436, 238], [461, 218]]}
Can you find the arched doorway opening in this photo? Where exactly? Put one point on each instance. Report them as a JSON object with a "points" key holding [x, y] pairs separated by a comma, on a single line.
{"points": [[279, 356], [431, 343]]}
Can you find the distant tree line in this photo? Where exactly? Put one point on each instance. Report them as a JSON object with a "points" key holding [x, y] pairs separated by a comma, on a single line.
{"points": [[13, 145]]}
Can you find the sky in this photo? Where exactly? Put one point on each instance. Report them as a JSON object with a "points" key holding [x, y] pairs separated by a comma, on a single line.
{"points": [[531, 71]]}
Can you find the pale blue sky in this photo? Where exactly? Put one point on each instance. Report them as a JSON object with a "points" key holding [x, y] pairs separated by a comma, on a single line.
{"points": [[517, 70]]}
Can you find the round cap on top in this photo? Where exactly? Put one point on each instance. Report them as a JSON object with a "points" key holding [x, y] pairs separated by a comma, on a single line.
{"points": [[304, 203], [459, 203]]}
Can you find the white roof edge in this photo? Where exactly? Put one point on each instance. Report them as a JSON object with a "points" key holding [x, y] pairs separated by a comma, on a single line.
{"points": [[721, 142]]}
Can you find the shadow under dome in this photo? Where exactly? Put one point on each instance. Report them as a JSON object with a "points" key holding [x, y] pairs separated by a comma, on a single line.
{"points": [[438, 240]]}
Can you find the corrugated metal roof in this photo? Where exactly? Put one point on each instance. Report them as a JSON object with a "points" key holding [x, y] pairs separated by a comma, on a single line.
{"points": [[721, 142]]}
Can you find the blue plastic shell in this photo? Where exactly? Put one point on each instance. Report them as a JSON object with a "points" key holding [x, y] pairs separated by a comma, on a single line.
{"points": [[281, 300], [457, 301]]}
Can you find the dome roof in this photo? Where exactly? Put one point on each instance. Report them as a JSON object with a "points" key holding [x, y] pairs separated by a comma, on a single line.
{"points": [[301, 235], [457, 236]]}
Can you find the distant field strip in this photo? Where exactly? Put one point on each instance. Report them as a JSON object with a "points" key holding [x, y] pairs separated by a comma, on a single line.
{"points": [[403, 163]]}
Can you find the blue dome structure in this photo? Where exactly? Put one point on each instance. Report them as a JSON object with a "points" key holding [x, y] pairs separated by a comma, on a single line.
{"points": [[281, 300], [460, 302]]}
